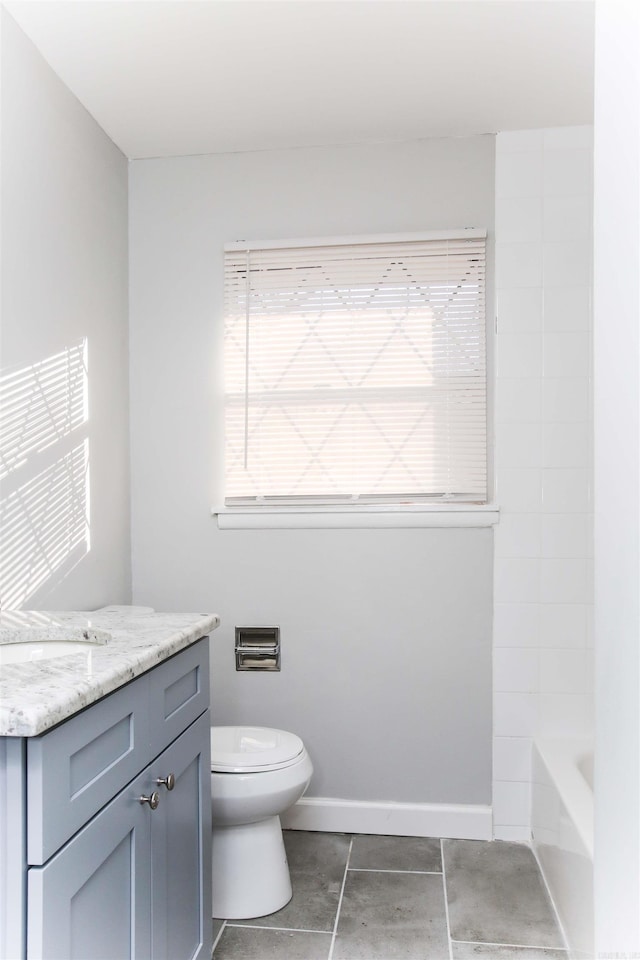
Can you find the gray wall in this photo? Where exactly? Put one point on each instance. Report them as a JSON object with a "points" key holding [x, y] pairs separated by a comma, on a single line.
{"points": [[64, 279], [386, 633]]}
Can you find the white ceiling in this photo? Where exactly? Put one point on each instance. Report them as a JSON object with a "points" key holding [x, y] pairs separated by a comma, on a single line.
{"points": [[176, 77]]}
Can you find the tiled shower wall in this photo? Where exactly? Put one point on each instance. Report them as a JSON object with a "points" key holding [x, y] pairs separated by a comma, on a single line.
{"points": [[543, 656]]}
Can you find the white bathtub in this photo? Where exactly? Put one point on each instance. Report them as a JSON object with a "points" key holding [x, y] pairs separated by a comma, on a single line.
{"points": [[562, 829]]}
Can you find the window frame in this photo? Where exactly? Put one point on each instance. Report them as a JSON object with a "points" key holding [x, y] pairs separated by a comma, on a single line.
{"points": [[366, 514]]}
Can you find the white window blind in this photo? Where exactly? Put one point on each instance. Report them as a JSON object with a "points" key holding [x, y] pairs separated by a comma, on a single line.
{"points": [[356, 371]]}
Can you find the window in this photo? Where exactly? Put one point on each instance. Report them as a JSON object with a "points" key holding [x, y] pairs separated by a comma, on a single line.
{"points": [[355, 371]]}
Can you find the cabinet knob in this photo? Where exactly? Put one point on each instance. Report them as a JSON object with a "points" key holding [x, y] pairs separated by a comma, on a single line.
{"points": [[169, 781], [153, 800]]}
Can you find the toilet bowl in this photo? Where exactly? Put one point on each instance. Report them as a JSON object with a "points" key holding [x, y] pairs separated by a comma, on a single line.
{"points": [[256, 774]]}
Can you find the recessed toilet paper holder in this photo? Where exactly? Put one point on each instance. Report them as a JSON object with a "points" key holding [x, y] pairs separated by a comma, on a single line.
{"points": [[257, 648]]}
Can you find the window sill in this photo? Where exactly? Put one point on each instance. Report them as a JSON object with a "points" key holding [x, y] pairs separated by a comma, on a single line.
{"points": [[365, 517]]}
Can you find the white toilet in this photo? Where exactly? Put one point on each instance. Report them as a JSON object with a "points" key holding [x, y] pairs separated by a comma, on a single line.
{"points": [[256, 774]]}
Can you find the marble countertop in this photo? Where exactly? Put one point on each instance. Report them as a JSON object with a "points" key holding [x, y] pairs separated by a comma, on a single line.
{"points": [[115, 645]]}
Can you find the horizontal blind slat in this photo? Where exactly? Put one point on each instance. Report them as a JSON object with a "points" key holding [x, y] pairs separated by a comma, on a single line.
{"points": [[366, 369]]}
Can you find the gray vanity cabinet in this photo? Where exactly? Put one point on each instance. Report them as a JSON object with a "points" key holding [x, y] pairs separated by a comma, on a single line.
{"points": [[130, 883], [109, 875]]}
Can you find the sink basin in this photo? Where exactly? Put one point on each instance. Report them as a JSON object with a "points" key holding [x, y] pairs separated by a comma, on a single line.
{"points": [[31, 644], [32, 651]]}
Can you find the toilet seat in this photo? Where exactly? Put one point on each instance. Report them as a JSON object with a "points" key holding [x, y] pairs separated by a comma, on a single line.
{"points": [[253, 749]]}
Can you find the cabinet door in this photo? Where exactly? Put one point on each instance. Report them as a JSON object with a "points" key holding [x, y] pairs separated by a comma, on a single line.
{"points": [[181, 848], [91, 901]]}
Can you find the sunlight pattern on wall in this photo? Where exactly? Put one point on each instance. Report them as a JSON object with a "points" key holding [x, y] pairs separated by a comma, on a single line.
{"points": [[44, 473]]}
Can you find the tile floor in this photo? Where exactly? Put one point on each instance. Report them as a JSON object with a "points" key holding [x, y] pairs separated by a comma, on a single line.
{"points": [[401, 898]]}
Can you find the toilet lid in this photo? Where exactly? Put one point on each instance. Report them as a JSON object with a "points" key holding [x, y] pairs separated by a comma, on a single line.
{"points": [[252, 749]]}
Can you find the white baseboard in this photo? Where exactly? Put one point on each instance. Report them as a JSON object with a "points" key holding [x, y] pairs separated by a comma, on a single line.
{"points": [[459, 821]]}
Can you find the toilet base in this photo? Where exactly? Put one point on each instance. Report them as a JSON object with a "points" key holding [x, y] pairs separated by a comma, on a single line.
{"points": [[250, 870]]}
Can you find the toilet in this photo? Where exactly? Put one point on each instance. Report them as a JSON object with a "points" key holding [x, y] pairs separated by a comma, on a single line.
{"points": [[256, 774]]}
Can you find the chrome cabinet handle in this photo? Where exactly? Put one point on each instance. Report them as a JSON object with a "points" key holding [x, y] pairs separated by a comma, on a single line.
{"points": [[169, 781], [153, 800]]}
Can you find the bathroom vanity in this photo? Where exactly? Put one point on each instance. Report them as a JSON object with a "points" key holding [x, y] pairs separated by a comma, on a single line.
{"points": [[105, 811]]}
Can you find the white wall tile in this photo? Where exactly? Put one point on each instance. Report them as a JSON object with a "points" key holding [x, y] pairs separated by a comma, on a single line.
{"points": [[565, 445], [590, 579], [515, 670], [566, 264], [567, 309], [590, 642], [519, 491], [566, 491], [520, 355], [518, 399], [521, 141], [520, 833], [566, 354], [516, 624], [565, 399], [563, 535], [520, 445], [516, 580], [563, 671], [590, 716], [515, 714], [568, 138], [590, 673], [518, 264], [519, 310], [542, 571], [565, 715], [517, 535], [567, 173], [511, 803], [563, 625], [519, 174], [563, 581], [512, 758], [519, 219], [590, 544], [566, 218], [589, 552]]}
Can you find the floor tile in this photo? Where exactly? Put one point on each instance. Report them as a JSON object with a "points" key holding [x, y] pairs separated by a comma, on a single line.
{"points": [[392, 916], [395, 853], [496, 895], [317, 863], [247, 943], [484, 951]]}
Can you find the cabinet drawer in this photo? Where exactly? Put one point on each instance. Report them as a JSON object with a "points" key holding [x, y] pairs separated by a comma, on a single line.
{"points": [[75, 769], [179, 693]]}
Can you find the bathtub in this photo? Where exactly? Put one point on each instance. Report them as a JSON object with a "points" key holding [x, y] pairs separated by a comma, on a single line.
{"points": [[562, 834]]}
